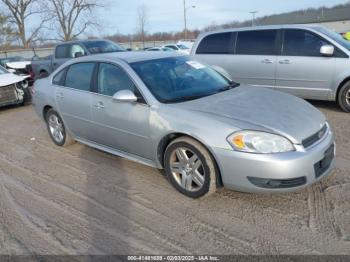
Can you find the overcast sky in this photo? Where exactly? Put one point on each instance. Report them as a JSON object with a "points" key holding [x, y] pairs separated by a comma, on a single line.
{"points": [[167, 15]]}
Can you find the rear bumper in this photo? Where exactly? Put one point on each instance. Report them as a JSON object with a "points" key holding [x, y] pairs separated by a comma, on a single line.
{"points": [[299, 168]]}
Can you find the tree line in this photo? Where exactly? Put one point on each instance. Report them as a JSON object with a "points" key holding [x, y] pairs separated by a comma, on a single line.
{"points": [[27, 23]]}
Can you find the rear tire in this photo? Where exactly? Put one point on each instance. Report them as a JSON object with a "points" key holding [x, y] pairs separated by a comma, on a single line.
{"points": [[57, 130], [344, 97], [190, 167]]}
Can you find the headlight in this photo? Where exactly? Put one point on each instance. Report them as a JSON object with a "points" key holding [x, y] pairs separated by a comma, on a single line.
{"points": [[259, 142]]}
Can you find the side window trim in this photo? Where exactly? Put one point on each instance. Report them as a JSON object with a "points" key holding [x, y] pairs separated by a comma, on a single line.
{"points": [[337, 52], [96, 76]]}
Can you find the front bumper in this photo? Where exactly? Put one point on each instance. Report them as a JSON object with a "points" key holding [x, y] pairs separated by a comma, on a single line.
{"points": [[237, 167]]}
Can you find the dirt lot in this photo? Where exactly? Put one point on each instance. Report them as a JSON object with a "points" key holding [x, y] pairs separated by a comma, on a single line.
{"points": [[78, 200]]}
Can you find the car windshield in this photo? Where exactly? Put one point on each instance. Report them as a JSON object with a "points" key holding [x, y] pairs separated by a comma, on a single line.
{"points": [[4, 61], [97, 47], [182, 47], [179, 79], [3, 70], [334, 36]]}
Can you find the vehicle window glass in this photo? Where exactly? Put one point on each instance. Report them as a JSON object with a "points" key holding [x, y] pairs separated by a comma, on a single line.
{"points": [[101, 46], [3, 70], [58, 79], [172, 47], [112, 78], [302, 43], [262, 42], [75, 49], [62, 51], [220, 43], [79, 76], [179, 79], [334, 36]]}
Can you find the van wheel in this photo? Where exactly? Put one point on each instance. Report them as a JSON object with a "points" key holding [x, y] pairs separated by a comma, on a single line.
{"points": [[344, 97], [57, 130], [190, 168]]}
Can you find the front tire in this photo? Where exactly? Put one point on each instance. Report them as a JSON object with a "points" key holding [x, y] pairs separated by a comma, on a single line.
{"points": [[57, 130], [344, 97], [190, 167]]}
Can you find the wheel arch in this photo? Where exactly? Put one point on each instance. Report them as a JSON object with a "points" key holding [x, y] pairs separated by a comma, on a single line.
{"points": [[46, 109], [342, 83], [167, 139]]}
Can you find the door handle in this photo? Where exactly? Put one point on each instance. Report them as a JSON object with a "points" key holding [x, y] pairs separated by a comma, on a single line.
{"points": [[100, 105], [284, 62], [267, 61]]}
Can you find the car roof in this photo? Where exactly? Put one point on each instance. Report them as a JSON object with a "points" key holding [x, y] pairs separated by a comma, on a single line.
{"points": [[130, 57], [264, 27]]}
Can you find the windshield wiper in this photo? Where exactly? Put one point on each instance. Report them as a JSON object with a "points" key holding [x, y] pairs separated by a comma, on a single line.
{"points": [[185, 98], [231, 85]]}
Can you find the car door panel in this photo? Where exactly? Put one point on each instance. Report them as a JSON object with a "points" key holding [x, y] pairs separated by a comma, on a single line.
{"points": [[301, 69], [74, 99], [120, 125]]}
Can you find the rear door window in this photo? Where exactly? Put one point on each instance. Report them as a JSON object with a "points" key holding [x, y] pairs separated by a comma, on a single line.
{"points": [[302, 43], [79, 76], [62, 51], [261, 42], [220, 43]]}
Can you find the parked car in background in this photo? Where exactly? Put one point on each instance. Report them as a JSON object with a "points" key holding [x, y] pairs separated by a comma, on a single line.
{"points": [[19, 66], [160, 49], [188, 43], [179, 48], [14, 89], [311, 62], [69, 50], [168, 111]]}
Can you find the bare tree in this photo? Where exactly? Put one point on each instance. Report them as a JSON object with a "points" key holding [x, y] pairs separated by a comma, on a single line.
{"points": [[73, 17], [20, 11], [6, 31], [142, 22]]}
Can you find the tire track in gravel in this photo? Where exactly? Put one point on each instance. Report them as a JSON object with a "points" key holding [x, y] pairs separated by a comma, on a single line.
{"points": [[139, 204], [204, 229]]}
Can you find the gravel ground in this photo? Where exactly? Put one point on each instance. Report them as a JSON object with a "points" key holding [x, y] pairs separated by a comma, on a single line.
{"points": [[78, 200]]}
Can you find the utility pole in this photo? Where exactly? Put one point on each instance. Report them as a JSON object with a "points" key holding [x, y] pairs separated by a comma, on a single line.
{"points": [[185, 16], [253, 17]]}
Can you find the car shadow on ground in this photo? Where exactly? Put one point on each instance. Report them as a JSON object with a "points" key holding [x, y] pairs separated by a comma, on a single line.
{"points": [[327, 105]]}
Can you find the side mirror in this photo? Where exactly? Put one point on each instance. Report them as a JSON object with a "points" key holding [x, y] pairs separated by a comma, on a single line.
{"points": [[327, 50], [125, 96], [78, 54]]}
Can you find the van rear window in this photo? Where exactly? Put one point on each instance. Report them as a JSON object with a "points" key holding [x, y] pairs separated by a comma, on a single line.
{"points": [[220, 43]]}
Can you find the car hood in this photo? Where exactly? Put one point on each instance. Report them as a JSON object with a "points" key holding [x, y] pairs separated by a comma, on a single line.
{"points": [[9, 79], [18, 65], [275, 111]]}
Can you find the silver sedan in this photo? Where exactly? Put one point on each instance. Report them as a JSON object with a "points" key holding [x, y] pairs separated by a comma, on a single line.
{"points": [[168, 111]]}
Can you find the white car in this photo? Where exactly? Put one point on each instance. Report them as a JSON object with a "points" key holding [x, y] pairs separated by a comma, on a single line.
{"points": [[14, 89], [179, 48], [166, 49]]}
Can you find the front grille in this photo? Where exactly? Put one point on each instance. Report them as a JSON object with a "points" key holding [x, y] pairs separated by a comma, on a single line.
{"points": [[315, 137], [322, 166], [8, 95], [277, 183]]}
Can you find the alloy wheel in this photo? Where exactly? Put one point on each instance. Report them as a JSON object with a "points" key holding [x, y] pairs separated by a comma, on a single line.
{"points": [[187, 169], [56, 128]]}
